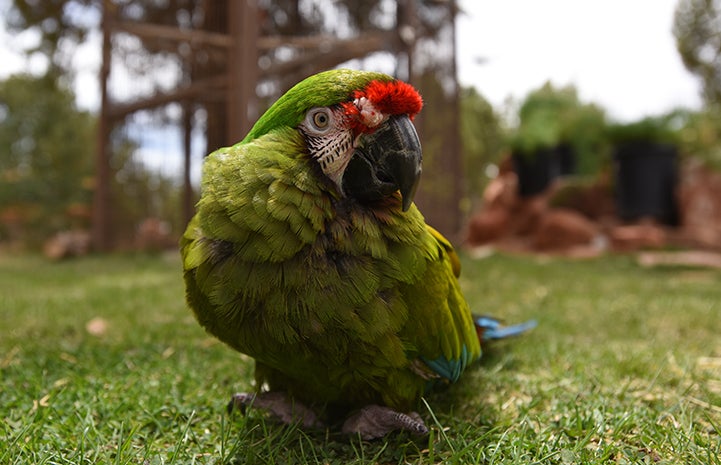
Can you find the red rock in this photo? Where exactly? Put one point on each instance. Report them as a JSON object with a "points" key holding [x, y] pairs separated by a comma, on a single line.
{"points": [[527, 216], [154, 234], [487, 226], [638, 236], [696, 258], [67, 244], [535, 223], [501, 192], [700, 205], [706, 236], [561, 229], [593, 200]]}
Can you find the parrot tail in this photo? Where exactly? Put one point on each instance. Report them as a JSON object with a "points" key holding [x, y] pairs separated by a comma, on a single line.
{"points": [[491, 329]]}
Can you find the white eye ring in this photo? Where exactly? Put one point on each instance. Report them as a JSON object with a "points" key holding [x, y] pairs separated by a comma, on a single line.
{"points": [[319, 119]]}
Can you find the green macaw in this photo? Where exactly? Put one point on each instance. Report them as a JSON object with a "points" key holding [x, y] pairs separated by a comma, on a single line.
{"points": [[308, 254]]}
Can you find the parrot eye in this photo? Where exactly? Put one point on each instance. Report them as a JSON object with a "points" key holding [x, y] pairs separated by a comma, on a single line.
{"points": [[319, 119]]}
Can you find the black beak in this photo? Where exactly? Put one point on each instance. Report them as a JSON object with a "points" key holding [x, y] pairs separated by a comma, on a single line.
{"points": [[386, 161]]}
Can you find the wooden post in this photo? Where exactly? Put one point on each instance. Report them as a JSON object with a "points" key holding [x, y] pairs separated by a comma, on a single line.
{"points": [[441, 186], [101, 224], [454, 136], [187, 207], [407, 27], [242, 68]]}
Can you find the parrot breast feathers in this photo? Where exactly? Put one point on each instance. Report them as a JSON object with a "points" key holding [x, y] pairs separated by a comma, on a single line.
{"points": [[307, 253]]}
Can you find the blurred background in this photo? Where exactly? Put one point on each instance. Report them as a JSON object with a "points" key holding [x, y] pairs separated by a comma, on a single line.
{"points": [[561, 126]]}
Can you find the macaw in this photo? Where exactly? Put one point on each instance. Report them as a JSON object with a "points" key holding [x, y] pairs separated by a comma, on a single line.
{"points": [[308, 254]]}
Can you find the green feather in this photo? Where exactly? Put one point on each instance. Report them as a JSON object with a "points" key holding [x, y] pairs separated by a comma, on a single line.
{"points": [[320, 90], [338, 303]]}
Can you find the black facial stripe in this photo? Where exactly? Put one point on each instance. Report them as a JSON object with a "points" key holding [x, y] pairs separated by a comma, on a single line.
{"points": [[327, 149]]}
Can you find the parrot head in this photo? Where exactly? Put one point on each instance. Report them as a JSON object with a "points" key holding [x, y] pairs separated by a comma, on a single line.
{"points": [[357, 126]]}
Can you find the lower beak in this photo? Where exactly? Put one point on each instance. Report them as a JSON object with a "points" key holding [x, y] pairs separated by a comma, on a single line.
{"points": [[386, 161]]}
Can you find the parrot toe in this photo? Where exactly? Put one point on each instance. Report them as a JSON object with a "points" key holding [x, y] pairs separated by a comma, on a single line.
{"points": [[287, 410], [375, 421]]}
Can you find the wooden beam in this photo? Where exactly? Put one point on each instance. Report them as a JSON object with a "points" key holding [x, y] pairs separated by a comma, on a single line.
{"points": [[120, 110], [337, 51], [201, 37], [157, 31], [101, 214], [321, 40]]}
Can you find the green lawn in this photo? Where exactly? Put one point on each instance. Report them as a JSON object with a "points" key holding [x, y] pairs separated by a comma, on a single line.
{"points": [[624, 367]]}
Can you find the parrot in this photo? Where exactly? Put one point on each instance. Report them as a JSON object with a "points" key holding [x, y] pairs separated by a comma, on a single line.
{"points": [[307, 253]]}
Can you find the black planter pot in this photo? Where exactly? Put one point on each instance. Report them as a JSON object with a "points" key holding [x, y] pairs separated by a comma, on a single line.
{"points": [[566, 160], [536, 170], [646, 177]]}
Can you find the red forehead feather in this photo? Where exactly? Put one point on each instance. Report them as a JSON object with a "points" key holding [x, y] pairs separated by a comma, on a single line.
{"points": [[392, 98]]}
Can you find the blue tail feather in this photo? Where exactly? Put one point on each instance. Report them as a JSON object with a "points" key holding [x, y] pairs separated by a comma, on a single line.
{"points": [[490, 329]]}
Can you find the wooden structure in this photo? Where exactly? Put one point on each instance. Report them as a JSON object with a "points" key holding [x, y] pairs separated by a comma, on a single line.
{"points": [[225, 86]]}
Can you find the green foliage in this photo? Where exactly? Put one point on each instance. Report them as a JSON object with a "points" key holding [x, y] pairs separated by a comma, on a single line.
{"points": [[481, 139], [700, 136], [551, 116], [441, 186], [625, 367], [139, 193], [541, 118], [656, 129], [697, 28], [46, 167], [54, 20]]}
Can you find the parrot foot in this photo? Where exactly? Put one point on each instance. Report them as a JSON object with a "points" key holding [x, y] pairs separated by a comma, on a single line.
{"points": [[278, 405], [375, 421]]}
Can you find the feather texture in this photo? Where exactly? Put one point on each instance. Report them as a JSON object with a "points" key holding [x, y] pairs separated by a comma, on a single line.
{"points": [[339, 303]]}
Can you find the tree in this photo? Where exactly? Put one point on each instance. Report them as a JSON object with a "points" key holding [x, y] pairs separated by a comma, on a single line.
{"points": [[46, 166], [140, 194], [551, 117], [62, 25], [700, 136], [697, 29], [152, 56], [481, 140]]}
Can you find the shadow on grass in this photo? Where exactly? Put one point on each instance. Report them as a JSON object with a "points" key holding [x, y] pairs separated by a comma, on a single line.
{"points": [[254, 439]]}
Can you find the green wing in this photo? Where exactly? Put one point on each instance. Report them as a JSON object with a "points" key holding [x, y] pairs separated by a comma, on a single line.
{"points": [[337, 303], [446, 336]]}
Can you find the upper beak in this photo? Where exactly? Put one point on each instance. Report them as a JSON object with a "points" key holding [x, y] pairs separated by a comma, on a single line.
{"points": [[387, 160]]}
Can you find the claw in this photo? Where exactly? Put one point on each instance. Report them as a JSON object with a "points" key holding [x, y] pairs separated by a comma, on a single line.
{"points": [[240, 400], [278, 405], [375, 421]]}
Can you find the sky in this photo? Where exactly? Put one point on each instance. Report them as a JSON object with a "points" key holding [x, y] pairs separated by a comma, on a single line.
{"points": [[619, 54]]}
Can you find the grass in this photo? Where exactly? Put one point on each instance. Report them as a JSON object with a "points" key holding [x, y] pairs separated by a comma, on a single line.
{"points": [[625, 367]]}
